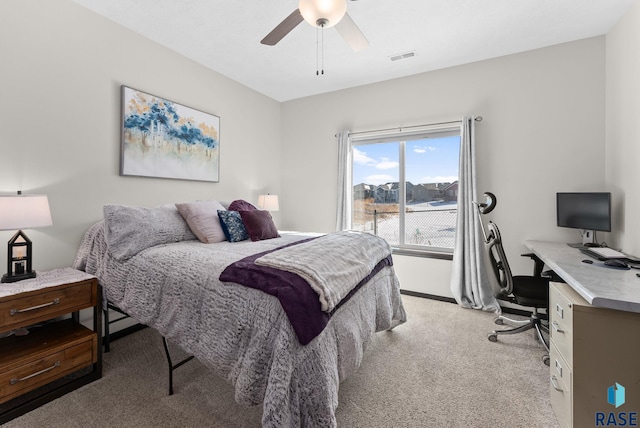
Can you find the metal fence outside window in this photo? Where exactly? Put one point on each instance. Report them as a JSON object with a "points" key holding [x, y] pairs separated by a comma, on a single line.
{"points": [[430, 227]]}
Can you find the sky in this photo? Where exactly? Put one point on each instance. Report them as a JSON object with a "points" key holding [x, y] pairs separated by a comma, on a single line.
{"points": [[431, 160]]}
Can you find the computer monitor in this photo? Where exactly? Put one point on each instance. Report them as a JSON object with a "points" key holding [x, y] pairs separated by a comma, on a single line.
{"points": [[588, 211]]}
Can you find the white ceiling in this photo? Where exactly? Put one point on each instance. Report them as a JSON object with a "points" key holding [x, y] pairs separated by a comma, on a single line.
{"points": [[225, 35]]}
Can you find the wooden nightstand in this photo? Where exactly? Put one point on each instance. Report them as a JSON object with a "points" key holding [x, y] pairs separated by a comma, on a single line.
{"points": [[57, 356]]}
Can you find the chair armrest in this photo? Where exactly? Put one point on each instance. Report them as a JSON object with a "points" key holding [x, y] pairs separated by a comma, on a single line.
{"points": [[538, 263]]}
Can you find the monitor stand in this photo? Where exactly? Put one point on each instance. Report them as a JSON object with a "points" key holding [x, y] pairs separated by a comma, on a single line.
{"points": [[589, 237], [581, 245], [588, 240]]}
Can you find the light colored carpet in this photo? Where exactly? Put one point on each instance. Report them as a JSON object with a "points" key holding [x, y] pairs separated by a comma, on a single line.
{"points": [[437, 370]]}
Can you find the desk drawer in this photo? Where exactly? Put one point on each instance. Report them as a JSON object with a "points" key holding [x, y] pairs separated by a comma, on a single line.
{"points": [[40, 305], [560, 388], [561, 322]]}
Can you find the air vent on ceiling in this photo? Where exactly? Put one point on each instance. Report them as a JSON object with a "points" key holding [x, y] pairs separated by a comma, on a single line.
{"points": [[404, 55]]}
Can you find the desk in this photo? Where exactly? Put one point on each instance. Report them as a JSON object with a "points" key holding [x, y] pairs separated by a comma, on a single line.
{"points": [[595, 338], [601, 286]]}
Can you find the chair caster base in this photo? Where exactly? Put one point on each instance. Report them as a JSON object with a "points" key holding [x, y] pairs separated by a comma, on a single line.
{"points": [[493, 337], [546, 360]]}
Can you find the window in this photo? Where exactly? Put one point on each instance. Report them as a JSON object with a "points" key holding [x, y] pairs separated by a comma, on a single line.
{"points": [[405, 186]]}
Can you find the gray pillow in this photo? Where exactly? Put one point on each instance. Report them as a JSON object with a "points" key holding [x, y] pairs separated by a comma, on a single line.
{"points": [[202, 218], [129, 230]]}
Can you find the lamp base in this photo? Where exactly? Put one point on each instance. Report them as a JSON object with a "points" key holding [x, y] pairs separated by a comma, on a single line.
{"points": [[15, 278]]}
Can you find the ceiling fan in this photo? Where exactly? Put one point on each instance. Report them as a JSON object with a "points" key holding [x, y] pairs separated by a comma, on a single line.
{"points": [[320, 14]]}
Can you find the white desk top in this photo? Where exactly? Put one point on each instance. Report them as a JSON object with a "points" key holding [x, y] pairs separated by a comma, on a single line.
{"points": [[598, 284]]}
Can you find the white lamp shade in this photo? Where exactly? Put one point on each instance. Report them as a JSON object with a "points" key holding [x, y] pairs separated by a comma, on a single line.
{"points": [[331, 10], [24, 212], [268, 202]]}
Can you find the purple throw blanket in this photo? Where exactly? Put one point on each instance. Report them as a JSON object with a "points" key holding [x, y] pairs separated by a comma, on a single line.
{"points": [[299, 301]]}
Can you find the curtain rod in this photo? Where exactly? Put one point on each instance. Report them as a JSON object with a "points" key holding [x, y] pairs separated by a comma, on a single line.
{"points": [[400, 128]]}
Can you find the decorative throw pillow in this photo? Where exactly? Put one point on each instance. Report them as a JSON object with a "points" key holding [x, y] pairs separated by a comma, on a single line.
{"points": [[202, 218], [259, 225], [232, 226], [129, 230], [241, 205]]}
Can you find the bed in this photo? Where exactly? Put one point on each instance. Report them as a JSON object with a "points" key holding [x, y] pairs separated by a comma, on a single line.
{"points": [[152, 266]]}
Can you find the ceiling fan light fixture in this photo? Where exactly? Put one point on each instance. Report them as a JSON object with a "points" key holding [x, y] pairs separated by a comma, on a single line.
{"points": [[322, 12]]}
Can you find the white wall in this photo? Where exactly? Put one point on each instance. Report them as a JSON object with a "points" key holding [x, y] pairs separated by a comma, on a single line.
{"points": [[60, 76], [62, 67], [623, 128], [543, 132]]}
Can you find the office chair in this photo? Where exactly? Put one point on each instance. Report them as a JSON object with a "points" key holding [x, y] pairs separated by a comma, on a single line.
{"points": [[530, 291]]}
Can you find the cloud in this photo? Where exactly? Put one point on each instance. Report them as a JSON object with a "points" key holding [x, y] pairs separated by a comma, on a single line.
{"points": [[385, 163], [379, 179], [361, 158], [423, 149]]}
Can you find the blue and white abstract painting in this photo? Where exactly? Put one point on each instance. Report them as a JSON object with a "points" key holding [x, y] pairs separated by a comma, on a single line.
{"points": [[161, 138]]}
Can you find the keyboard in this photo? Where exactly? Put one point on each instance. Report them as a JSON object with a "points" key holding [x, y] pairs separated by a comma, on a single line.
{"points": [[603, 253]]}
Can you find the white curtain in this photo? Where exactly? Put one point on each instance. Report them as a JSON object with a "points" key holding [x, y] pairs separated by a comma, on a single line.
{"points": [[343, 218], [469, 277]]}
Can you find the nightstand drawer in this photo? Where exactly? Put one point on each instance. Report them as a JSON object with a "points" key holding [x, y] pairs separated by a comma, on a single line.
{"points": [[58, 354], [49, 353], [45, 304], [561, 322]]}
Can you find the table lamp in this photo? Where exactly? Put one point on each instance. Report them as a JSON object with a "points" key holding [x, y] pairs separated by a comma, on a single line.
{"points": [[22, 212], [268, 202]]}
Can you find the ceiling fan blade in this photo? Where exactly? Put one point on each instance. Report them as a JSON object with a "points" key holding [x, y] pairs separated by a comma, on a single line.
{"points": [[351, 33], [289, 23]]}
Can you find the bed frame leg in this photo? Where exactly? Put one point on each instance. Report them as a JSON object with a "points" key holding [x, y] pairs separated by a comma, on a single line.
{"points": [[172, 367], [106, 306], [106, 339]]}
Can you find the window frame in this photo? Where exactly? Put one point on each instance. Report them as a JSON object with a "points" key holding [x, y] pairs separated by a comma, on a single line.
{"points": [[402, 136]]}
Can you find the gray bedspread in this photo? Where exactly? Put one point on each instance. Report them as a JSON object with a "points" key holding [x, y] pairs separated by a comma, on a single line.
{"points": [[243, 334]]}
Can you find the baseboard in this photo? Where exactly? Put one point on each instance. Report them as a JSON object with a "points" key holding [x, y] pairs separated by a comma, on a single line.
{"points": [[505, 309], [428, 296]]}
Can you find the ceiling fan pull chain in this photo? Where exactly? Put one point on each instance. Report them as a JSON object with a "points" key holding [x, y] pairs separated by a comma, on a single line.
{"points": [[320, 49], [322, 59]]}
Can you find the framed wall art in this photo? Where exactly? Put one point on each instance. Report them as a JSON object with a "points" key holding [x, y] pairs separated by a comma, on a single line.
{"points": [[161, 138]]}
